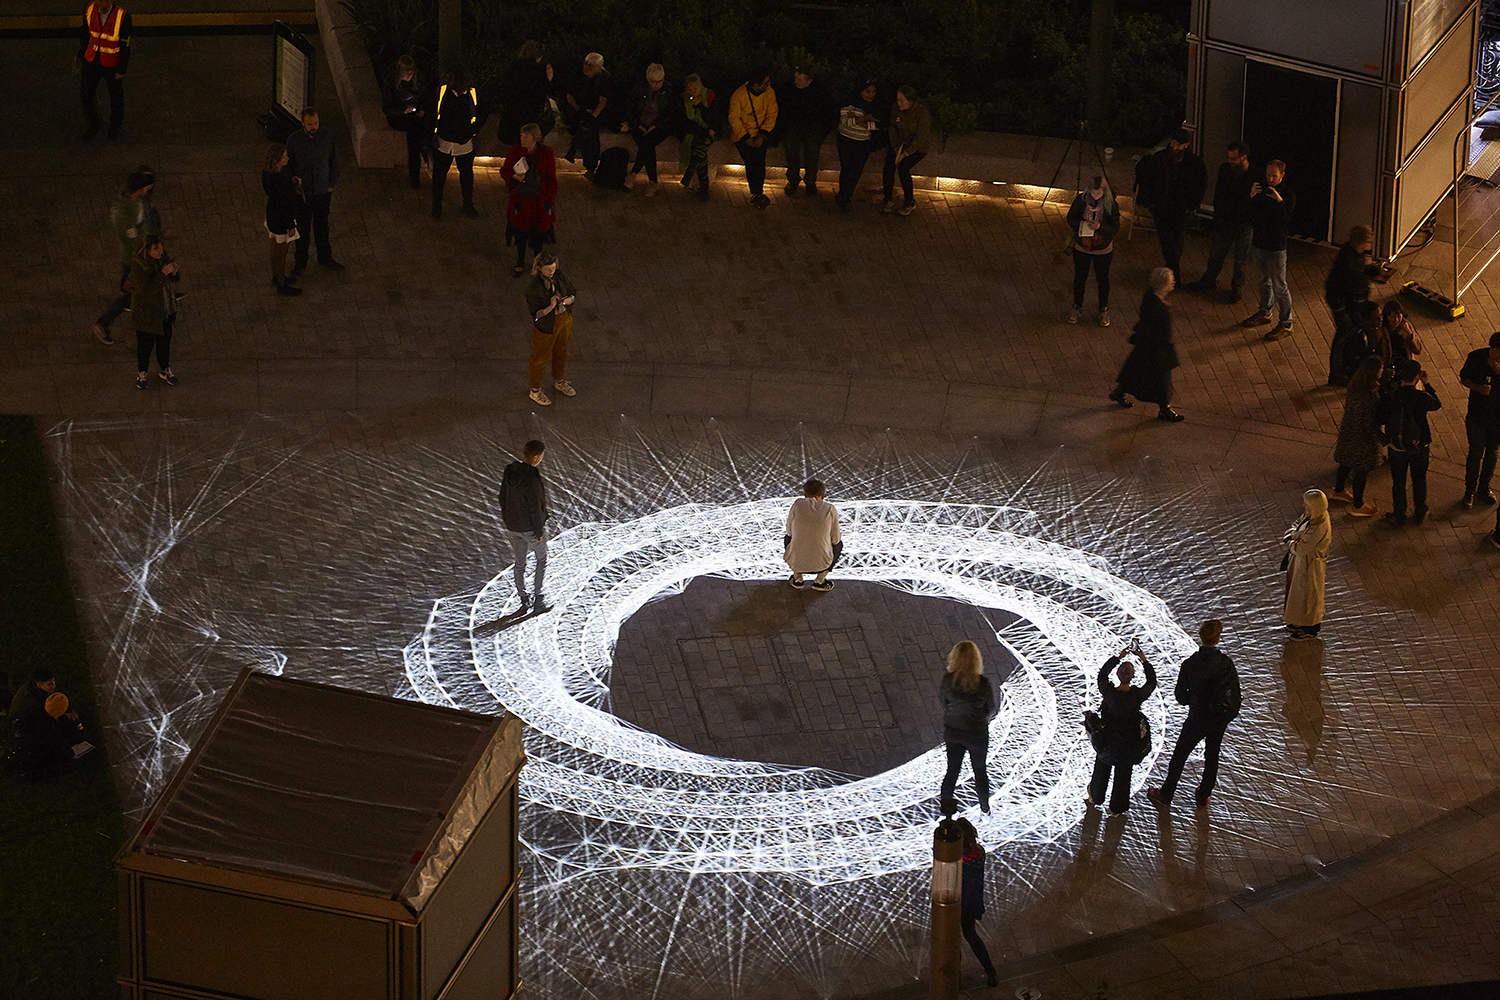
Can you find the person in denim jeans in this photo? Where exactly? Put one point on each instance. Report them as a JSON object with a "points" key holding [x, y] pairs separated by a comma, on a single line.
{"points": [[1271, 208]]}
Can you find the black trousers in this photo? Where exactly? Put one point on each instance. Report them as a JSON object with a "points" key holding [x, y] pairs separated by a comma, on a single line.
{"points": [[1100, 263], [312, 217], [440, 164], [1225, 239], [977, 749], [416, 128], [88, 83], [902, 168], [1169, 233], [162, 342], [853, 153], [645, 151], [1119, 799], [1194, 731], [1359, 476], [1479, 466], [119, 305], [583, 128], [976, 943], [802, 148], [1416, 460], [755, 166], [1340, 365]]}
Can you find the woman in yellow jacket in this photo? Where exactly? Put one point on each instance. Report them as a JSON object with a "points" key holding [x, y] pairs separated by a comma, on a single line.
{"points": [[752, 116]]}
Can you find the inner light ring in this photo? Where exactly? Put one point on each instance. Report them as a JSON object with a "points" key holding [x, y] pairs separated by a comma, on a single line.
{"points": [[638, 796]]}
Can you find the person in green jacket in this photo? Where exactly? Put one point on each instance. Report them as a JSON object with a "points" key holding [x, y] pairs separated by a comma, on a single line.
{"points": [[910, 133], [153, 306]]}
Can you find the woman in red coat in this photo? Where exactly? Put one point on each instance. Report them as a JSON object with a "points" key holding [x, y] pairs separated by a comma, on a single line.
{"points": [[530, 172]]}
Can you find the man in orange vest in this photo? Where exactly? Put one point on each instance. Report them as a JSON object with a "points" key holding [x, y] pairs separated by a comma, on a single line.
{"points": [[103, 54]]}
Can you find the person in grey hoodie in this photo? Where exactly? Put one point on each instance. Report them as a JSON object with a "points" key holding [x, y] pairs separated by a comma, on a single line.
{"points": [[910, 133], [315, 164]]}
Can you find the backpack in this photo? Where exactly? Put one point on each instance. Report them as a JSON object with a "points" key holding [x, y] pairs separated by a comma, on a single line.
{"points": [[1224, 699], [613, 164]]}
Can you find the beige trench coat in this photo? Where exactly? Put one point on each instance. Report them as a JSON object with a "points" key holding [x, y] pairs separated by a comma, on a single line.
{"points": [[1306, 571]]}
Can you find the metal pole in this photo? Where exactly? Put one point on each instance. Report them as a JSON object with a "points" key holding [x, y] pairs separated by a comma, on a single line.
{"points": [[1101, 30], [947, 907]]}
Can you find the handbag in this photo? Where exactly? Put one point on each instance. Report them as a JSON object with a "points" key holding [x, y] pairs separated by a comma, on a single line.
{"points": [[1144, 747], [1094, 726]]}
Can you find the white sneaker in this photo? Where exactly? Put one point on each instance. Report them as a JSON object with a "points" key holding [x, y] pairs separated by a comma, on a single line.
{"points": [[1104, 317], [565, 387], [540, 398], [1072, 315]]}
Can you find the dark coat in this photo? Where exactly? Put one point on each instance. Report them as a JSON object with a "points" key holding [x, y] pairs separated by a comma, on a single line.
{"points": [[538, 297], [1199, 679], [1348, 281], [399, 94], [151, 298], [523, 100], [282, 201], [1406, 409], [967, 713], [1171, 190], [1270, 218], [807, 111], [1356, 446], [971, 899], [1147, 372], [523, 499], [1232, 196], [1121, 712]]}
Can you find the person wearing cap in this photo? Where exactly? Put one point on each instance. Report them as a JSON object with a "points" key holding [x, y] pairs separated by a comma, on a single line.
{"points": [[752, 117], [530, 175], [135, 221], [649, 124], [861, 131], [31, 696], [103, 56], [1480, 374], [550, 298], [1402, 418], [1306, 563], [1171, 183]]}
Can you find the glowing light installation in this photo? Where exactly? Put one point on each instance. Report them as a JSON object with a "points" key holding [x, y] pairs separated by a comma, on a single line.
{"points": [[638, 801]]}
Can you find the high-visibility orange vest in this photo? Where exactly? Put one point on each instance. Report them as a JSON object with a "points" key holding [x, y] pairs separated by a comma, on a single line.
{"points": [[104, 39]]}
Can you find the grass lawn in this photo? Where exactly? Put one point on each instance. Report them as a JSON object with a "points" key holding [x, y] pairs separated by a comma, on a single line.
{"points": [[57, 890]]}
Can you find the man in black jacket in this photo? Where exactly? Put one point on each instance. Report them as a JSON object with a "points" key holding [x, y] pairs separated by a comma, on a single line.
{"points": [[1231, 222], [1346, 288], [1401, 418], [1171, 183], [523, 508], [1209, 686]]}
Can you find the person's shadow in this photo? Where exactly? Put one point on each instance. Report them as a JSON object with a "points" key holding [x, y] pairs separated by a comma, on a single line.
{"points": [[504, 622], [1302, 673]]}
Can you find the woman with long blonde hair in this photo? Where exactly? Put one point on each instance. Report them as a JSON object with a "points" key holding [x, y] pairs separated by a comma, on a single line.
{"points": [[969, 704]]}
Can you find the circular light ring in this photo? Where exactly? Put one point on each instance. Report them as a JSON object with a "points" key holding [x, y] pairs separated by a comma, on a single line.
{"points": [[617, 796]]}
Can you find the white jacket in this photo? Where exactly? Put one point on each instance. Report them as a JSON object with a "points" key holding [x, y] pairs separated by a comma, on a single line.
{"points": [[814, 527]]}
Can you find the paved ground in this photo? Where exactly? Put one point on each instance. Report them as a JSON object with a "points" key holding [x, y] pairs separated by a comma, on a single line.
{"points": [[1354, 846]]}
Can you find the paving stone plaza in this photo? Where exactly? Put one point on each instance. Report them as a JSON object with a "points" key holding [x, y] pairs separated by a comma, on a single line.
{"points": [[318, 493]]}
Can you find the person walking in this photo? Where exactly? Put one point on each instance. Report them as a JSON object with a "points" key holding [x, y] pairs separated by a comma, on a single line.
{"points": [[971, 898], [1357, 451], [523, 509], [812, 543], [1402, 418], [530, 175], [454, 127], [1346, 290], [405, 101], [805, 114], [1093, 221], [649, 125], [1271, 206], [315, 165], [103, 57], [969, 703], [282, 197], [752, 117], [550, 298], [1232, 228], [1171, 183], [860, 134], [1209, 686], [1306, 566], [1147, 372], [910, 135], [1480, 374], [135, 221], [1125, 738], [696, 128], [153, 309]]}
